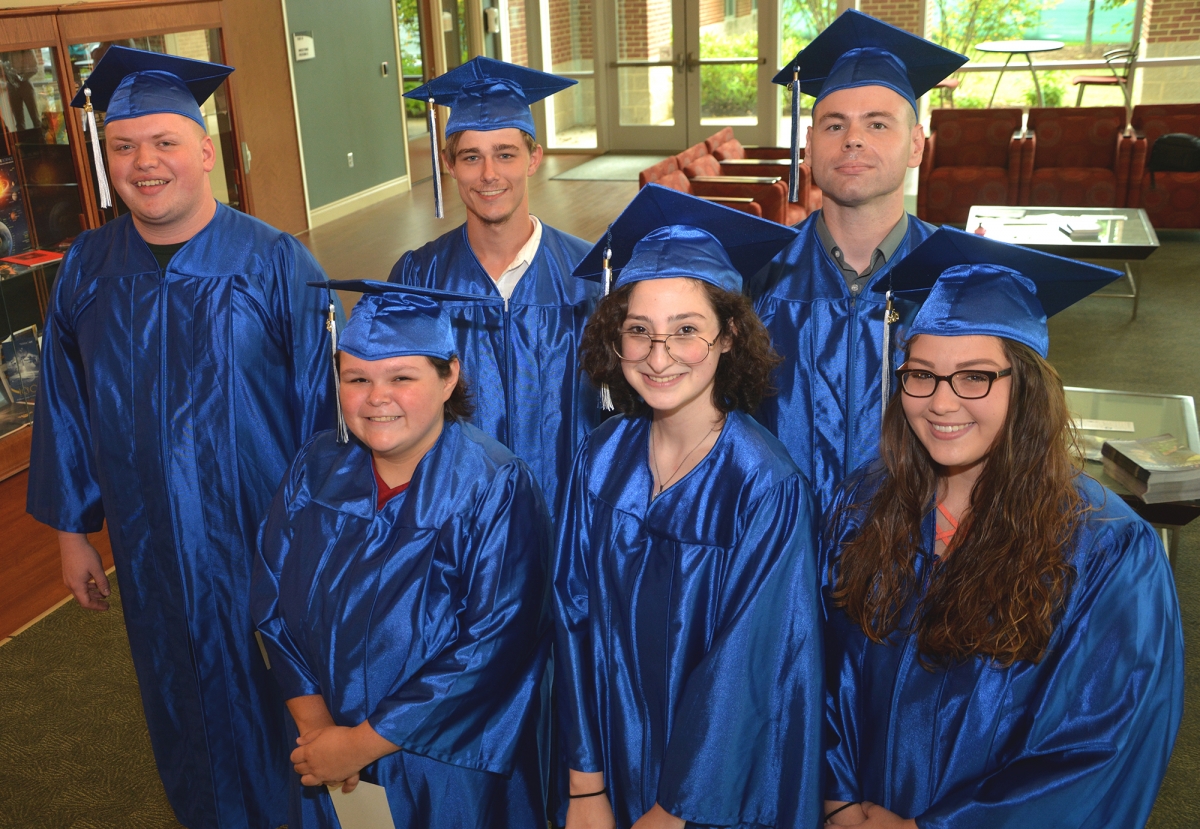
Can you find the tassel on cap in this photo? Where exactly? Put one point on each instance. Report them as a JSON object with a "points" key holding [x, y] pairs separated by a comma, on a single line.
{"points": [[606, 401], [439, 210], [890, 316], [794, 166], [343, 434], [89, 123]]}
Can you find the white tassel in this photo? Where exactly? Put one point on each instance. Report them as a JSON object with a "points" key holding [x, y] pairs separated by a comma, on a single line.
{"points": [[343, 434], [606, 401], [89, 122], [889, 317], [439, 210]]}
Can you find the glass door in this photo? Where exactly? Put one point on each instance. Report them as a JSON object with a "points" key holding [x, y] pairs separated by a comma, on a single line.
{"points": [[683, 71], [645, 74]]}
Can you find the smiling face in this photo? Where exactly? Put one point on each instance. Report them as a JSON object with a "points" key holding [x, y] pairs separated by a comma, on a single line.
{"points": [[661, 307], [861, 143], [492, 170], [394, 406], [957, 433], [159, 166]]}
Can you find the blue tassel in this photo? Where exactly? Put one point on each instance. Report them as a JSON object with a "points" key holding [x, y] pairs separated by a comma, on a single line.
{"points": [[439, 210], [794, 168]]}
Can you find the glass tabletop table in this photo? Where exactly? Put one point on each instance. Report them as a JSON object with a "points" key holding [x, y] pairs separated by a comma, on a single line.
{"points": [[1102, 414], [1122, 234]]}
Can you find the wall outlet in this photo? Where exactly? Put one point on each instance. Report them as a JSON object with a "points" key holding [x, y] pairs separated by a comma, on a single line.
{"points": [[350, 159]]}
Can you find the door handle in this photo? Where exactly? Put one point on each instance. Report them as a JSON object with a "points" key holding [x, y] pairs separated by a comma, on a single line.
{"points": [[245, 158]]}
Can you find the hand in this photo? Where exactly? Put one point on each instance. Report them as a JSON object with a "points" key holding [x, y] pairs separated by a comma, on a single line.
{"points": [[880, 818], [589, 812], [82, 571], [659, 818], [336, 754], [852, 816]]}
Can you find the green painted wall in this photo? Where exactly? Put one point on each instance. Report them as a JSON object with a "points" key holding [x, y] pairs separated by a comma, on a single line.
{"points": [[345, 103]]}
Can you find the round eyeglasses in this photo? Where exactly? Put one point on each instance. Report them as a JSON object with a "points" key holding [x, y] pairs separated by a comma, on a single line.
{"points": [[689, 349], [969, 384]]}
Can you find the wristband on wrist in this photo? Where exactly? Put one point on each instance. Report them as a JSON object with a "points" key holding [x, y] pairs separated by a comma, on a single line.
{"points": [[841, 808], [589, 794]]}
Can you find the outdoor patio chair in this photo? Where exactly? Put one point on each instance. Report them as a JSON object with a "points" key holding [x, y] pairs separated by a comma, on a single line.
{"points": [[1119, 61]]}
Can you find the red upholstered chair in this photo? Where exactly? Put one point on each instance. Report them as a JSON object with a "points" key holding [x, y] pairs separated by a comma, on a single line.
{"points": [[718, 138], [972, 156], [1081, 158], [1174, 198], [656, 171], [689, 155], [750, 200], [737, 160], [711, 172]]}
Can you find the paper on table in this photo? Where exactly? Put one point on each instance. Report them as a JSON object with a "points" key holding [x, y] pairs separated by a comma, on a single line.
{"points": [[1105, 425], [364, 808]]}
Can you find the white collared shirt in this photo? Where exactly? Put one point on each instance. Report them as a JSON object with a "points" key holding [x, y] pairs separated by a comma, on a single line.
{"points": [[507, 283]]}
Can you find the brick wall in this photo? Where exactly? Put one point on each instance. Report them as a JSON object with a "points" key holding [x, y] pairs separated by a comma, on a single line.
{"points": [[518, 40], [1172, 21], [571, 36], [904, 14], [645, 30]]}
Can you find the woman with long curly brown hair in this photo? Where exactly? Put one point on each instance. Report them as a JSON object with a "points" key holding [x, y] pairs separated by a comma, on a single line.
{"points": [[1003, 644], [688, 644]]}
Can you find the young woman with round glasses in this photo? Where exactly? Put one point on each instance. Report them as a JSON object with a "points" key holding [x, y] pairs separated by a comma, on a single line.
{"points": [[687, 667], [1003, 642]]}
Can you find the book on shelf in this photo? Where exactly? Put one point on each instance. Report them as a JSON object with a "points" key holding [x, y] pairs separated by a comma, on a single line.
{"points": [[1162, 458], [1153, 493]]}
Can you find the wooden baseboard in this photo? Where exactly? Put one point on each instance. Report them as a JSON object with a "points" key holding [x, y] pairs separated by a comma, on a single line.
{"points": [[14, 452]]}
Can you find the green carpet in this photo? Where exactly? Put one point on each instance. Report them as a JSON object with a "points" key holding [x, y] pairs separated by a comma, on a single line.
{"points": [[72, 734], [74, 743], [610, 167]]}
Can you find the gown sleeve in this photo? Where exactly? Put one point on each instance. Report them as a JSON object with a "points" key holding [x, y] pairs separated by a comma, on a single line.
{"points": [[313, 389], [578, 720], [64, 487], [746, 740], [275, 538], [1104, 720], [468, 702]]}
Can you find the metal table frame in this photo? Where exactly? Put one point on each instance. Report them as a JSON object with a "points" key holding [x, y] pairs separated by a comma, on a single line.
{"points": [[1019, 47]]}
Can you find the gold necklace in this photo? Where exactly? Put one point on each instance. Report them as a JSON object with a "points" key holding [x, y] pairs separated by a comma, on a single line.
{"points": [[662, 485]]}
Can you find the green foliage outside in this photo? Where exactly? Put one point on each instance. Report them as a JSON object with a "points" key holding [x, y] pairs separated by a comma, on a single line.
{"points": [[410, 53], [728, 91]]}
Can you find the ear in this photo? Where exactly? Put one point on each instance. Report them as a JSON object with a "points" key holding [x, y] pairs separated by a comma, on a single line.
{"points": [[807, 144], [918, 146], [725, 342], [449, 164], [208, 153], [451, 380], [535, 159]]}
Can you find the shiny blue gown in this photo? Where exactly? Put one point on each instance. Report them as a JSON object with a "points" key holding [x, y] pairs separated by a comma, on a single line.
{"points": [[688, 649], [429, 618], [1081, 739], [521, 357], [828, 411], [169, 405]]}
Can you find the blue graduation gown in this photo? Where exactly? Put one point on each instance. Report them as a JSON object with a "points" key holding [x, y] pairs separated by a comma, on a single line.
{"points": [[170, 404], [688, 649], [1081, 739], [428, 618], [828, 411], [521, 358]]}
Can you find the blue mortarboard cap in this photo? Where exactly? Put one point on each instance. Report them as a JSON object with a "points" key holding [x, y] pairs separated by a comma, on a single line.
{"points": [[130, 83], [394, 320], [975, 285], [486, 94], [858, 50], [664, 233]]}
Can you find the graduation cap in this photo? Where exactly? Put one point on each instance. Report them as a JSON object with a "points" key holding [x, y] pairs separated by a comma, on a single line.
{"points": [[974, 285], [130, 83], [393, 320], [664, 233], [484, 94], [858, 50]]}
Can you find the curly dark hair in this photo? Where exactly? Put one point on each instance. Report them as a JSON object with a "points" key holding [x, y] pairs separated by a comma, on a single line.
{"points": [[743, 376], [460, 405], [1000, 589]]}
